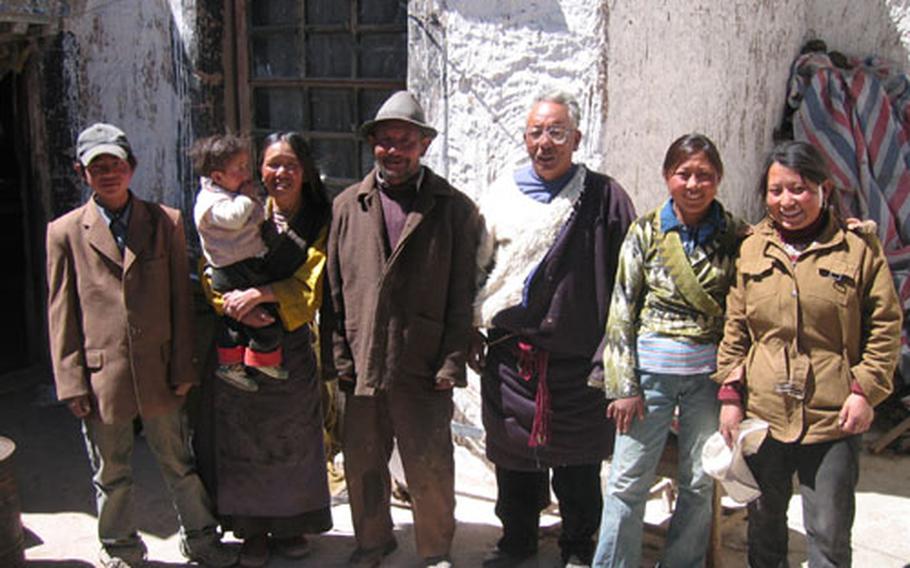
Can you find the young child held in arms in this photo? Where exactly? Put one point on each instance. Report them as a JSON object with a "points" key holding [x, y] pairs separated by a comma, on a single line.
{"points": [[229, 215]]}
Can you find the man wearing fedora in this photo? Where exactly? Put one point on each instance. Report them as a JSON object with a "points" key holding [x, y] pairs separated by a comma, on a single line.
{"points": [[401, 271], [119, 310]]}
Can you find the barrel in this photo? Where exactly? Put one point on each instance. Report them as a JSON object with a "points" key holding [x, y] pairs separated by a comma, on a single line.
{"points": [[12, 553]]}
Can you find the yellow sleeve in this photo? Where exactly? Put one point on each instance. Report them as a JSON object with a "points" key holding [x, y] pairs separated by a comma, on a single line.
{"points": [[211, 296], [300, 296]]}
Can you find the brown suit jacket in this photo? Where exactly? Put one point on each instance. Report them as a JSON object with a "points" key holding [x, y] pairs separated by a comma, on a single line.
{"points": [[120, 325]]}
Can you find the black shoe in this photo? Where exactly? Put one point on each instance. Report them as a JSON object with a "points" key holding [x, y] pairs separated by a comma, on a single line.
{"points": [[372, 557], [213, 553], [293, 547], [502, 559]]}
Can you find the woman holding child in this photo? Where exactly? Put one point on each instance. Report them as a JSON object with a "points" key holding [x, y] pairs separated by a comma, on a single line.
{"points": [[269, 455]]}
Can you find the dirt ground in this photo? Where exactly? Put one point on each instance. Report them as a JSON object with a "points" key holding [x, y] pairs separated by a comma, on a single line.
{"points": [[57, 507]]}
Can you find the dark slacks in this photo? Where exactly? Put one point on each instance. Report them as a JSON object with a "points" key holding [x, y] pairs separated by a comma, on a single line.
{"points": [[419, 419], [522, 495], [828, 473]]}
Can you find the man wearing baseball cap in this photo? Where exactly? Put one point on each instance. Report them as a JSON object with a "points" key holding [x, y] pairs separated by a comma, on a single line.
{"points": [[119, 318], [401, 269]]}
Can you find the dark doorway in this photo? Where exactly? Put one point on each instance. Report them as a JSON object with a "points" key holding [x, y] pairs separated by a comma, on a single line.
{"points": [[16, 290]]}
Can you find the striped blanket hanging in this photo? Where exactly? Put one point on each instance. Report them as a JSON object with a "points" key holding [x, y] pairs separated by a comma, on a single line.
{"points": [[857, 112]]}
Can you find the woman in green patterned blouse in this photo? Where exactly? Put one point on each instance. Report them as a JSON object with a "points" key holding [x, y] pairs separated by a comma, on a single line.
{"points": [[666, 318]]}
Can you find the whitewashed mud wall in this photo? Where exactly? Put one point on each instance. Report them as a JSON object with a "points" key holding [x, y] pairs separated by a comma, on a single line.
{"points": [[716, 67], [127, 66], [860, 28], [646, 72], [477, 64]]}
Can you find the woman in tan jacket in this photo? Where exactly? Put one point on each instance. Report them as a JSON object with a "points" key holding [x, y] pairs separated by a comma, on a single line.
{"points": [[810, 346]]}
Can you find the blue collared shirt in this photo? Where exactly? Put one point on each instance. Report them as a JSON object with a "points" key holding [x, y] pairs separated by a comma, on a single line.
{"points": [[691, 237], [539, 189]]}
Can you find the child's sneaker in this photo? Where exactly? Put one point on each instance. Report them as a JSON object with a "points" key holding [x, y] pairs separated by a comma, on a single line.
{"points": [[274, 372], [236, 376]]}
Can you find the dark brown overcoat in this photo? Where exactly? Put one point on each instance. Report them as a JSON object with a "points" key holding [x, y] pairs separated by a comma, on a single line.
{"points": [[408, 310]]}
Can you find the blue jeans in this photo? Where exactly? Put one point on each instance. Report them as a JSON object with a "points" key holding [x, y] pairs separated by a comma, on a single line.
{"points": [[635, 458], [110, 449]]}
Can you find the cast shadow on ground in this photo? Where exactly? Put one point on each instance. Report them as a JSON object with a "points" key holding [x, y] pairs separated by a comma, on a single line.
{"points": [[52, 471], [50, 465], [473, 541]]}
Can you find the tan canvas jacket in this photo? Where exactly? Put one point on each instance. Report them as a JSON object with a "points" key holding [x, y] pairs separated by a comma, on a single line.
{"points": [[811, 327]]}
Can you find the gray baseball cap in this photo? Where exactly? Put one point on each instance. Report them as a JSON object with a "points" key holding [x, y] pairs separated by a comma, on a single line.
{"points": [[400, 106], [101, 138]]}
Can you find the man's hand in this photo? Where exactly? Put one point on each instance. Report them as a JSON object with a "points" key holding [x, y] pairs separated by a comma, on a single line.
{"points": [[477, 352], [856, 414], [624, 410], [182, 388], [80, 406], [731, 414]]}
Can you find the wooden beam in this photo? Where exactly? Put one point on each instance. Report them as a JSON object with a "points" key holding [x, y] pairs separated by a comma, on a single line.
{"points": [[890, 436]]}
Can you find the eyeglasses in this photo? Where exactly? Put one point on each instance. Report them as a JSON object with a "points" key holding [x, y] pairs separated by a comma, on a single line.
{"points": [[556, 134]]}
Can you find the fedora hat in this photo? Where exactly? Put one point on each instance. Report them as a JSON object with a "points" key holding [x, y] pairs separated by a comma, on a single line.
{"points": [[400, 106]]}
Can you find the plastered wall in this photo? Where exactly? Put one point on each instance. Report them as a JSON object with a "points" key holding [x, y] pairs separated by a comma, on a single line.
{"points": [[135, 64], [646, 72], [478, 64]]}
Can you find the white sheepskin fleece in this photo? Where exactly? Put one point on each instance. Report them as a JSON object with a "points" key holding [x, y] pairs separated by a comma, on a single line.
{"points": [[519, 232]]}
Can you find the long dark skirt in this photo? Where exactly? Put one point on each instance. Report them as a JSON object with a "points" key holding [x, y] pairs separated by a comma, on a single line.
{"points": [[266, 461]]}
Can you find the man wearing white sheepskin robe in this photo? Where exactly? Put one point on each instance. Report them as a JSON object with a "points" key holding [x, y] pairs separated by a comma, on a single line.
{"points": [[547, 261]]}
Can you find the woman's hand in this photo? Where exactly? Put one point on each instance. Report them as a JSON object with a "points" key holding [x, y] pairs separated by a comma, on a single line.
{"points": [[624, 410], [239, 303], [856, 414], [477, 352], [731, 414]]}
